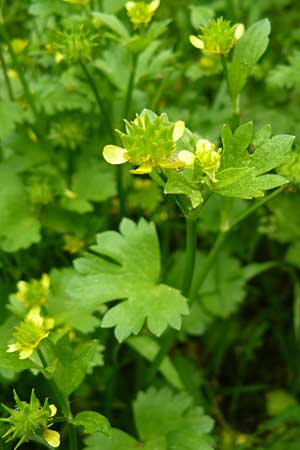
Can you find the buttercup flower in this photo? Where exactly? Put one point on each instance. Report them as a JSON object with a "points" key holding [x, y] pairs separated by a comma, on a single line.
{"points": [[141, 13], [218, 37], [30, 332], [150, 143], [206, 155], [34, 292], [29, 419]]}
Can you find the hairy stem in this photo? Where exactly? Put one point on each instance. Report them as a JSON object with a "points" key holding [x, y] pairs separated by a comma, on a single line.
{"points": [[99, 100], [62, 403], [6, 77], [29, 98], [128, 98], [190, 254]]}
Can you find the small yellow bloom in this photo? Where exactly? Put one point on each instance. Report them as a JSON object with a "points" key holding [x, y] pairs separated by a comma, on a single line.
{"points": [[149, 145], [206, 155], [11, 73], [73, 244], [52, 437], [218, 37], [29, 333], [34, 292], [70, 194], [140, 13], [19, 45]]}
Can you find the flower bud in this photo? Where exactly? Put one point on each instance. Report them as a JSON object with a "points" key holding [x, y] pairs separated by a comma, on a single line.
{"points": [[29, 419], [141, 13]]}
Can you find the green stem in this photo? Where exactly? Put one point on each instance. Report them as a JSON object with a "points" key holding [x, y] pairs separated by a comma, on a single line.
{"points": [[223, 235], [27, 93], [190, 254], [235, 102], [73, 437], [209, 261], [62, 403], [128, 98], [255, 206], [99, 100], [119, 169], [6, 77]]}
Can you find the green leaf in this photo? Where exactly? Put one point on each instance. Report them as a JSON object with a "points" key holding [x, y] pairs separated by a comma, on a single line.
{"points": [[119, 441], [113, 6], [113, 23], [93, 422], [12, 361], [162, 414], [63, 309], [19, 228], [246, 159], [46, 7], [178, 183], [72, 364], [200, 16], [127, 269], [247, 52], [149, 348], [10, 115]]}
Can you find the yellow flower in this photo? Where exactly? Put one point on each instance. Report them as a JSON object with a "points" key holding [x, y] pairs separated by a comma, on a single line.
{"points": [[206, 155], [218, 37], [29, 333], [19, 45], [141, 13], [34, 292], [150, 143], [72, 244], [52, 437]]}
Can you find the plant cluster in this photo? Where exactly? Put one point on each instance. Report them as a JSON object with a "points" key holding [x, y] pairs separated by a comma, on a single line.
{"points": [[149, 225]]}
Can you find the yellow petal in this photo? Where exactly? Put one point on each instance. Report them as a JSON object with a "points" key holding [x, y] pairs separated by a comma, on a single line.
{"points": [[144, 168], [186, 157], [129, 5], [168, 164], [196, 42], [115, 155], [154, 5], [45, 281], [26, 353], [49, 323], [52, 437], [58, 57], [53, 410], [178, 130], [239, 31], [204, 144], [13, 348], [35, 317]]}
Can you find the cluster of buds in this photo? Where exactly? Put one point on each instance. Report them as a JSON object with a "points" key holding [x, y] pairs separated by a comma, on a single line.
{"points": [[75, 45], [218, 37], [33, 293], [141, 13], [205, 156], [68, 133], [149, 143], [39, 189], [29, 420], [30, 332]]}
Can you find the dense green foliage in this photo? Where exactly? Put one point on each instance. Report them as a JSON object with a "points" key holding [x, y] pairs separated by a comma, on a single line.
{"points": [[149, 225]]}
